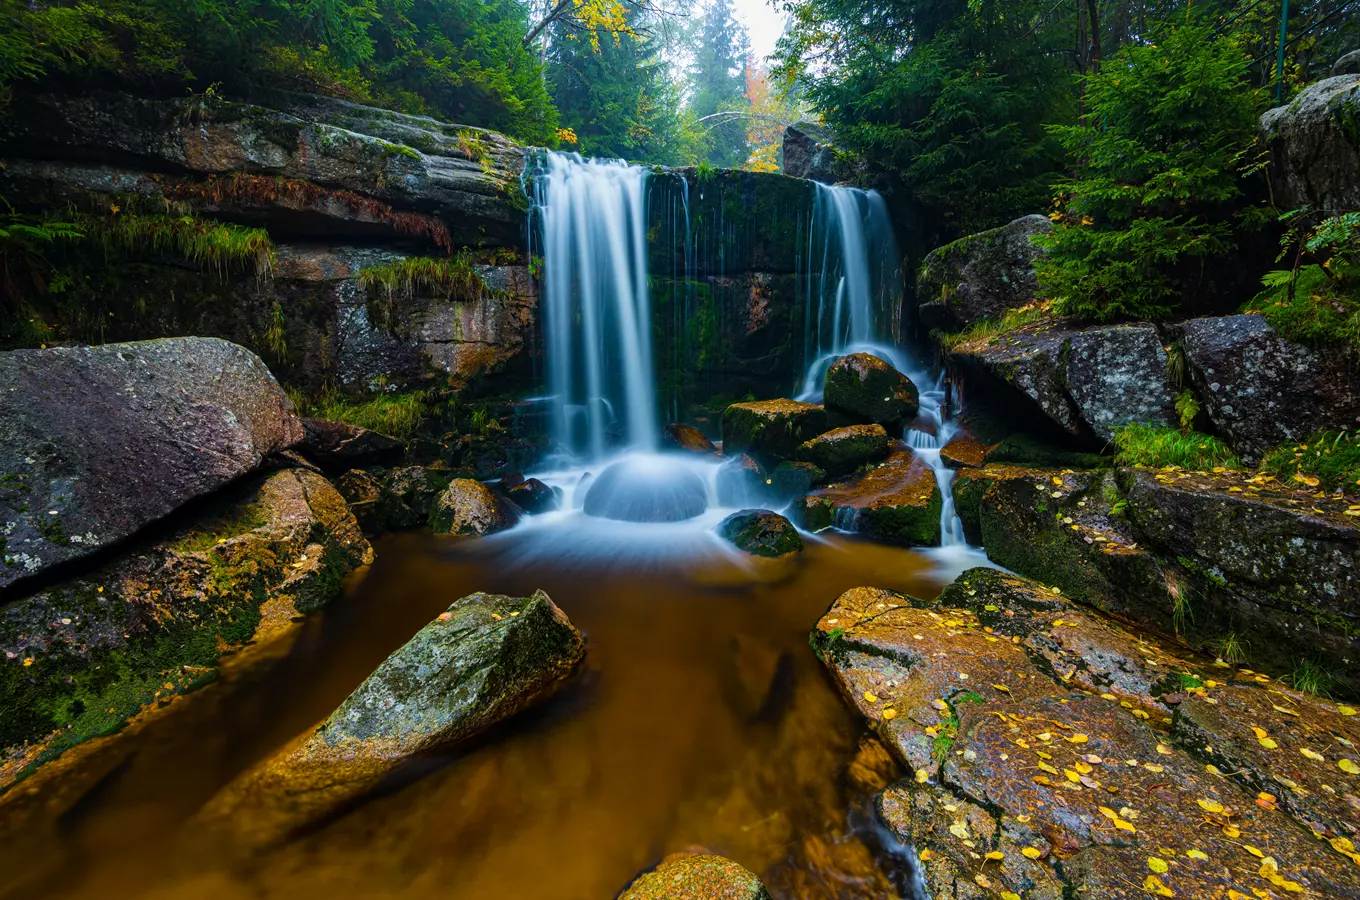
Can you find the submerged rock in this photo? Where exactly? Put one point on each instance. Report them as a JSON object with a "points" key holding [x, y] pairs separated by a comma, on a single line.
{"points": [[529, 494], [338, 446], [898, 502], [470, 508], [1038, 731], [843, 450], [686, 437], [646, 490], [741, 482], [99, 442], [867, 389], [697, 877], [1261, 390], [760, 532], [485, 659], [982, 276], [79, 659], [793, 479], [771, 430], [1315, 146], [1089, 381]]}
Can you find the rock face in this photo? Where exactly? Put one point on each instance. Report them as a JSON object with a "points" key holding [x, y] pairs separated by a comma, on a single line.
{"points": [[98, 442], [898, 502], [697, 877], [1347, 65], [866, 389], [77, 660], [1315, 146], [1261, 390], [336, 446], [686, 437], [468, 508], [760, 532], [771, 430], [843, 450], [1057, 739], [1089, 381], [393, 499], [979, 277], [645, 490], [485, 659], [810, 152]]}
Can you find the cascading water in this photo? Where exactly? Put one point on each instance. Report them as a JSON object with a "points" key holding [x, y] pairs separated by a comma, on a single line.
{"points": [[597, 318]]}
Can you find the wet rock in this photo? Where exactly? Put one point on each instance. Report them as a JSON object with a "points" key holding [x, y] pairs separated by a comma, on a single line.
{"points": [[1315, 146], [686, 437], [793, 479], [810, 152], [982, 276], [843, 450], [338, 447], [1027, 450], [866, 389], [1239, 543], [646, 490], [760, 532], [741, 482], [898, 502], [1038, 732], [529, 494], [485, 659], [1089, 381], [1260, 390], [361, 492], [963, 451], [811, 513], [770, 430], [408, 495], [176, 419], [697, 877], [470, 508], [78, 659]]}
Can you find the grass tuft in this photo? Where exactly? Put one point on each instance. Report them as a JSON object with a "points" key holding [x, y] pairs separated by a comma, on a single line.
{"points": [[222, 247], [396, 415], [1230, 648], [1329, 459], [1156, 447], [1311, 678], [990, 329]]}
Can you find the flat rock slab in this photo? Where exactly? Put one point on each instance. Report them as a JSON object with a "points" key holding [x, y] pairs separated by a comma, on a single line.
{"points": [[1047, 752], [770, 430], [485, 659], [98, 442]]}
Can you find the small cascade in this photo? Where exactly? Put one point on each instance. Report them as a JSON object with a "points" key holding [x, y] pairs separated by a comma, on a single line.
{"points": [[927, 448], [597, 318]]}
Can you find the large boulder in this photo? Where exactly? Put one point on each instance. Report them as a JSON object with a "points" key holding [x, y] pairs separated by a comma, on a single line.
{"points": [[771, 430], [1036, 730], [1348, 64], [485, 659], [79, 659], [648, 489], [760, 532], [866, 389], [982, 276], [1088, 381], [468, 508], [701, 876], [1261, 390], [98, 442], [843, 450], [1314, 145], [810, 152], [898, 502]]}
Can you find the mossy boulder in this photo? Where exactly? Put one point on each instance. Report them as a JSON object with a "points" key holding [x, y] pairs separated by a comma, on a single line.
{"points": [[811, 513], [864, 388], [468, 508], [687, 438], [963, 451], [793, 479], [982, 276], [79, 659], [1314, 145], [843, 450], [697, 877], [898, 502], [760, 532], [176, 418], [771, 430], [485, 659]]}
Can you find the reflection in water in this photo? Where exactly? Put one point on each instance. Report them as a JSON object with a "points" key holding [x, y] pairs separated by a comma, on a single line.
{"points": [[702, 718]]}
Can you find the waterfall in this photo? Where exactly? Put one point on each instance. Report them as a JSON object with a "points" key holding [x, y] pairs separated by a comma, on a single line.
{"points": [[852, 279], [596, 315]]}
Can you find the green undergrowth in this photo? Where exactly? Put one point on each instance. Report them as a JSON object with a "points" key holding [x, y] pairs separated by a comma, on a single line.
{"points": [[991, 329], [218, 246], [1330, 457], [454, 278], [1321, 309], [1158, 447], [397, 415]]}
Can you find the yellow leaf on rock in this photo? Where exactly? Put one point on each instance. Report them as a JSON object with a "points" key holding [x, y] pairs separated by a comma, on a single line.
{"points": [[1153, 885], [1252, 850], [1196, 854], [1348, 766], [889, 713], [1031, 853], [1157, 865], [1211, 806], [1312, 754], [870, 696], [995, 854], [1346, 710], [1007, 895], [927, 855], [1077, 739]]}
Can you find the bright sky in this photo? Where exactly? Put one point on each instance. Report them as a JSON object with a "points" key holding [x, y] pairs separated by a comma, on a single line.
{"points": [[764, 22]]}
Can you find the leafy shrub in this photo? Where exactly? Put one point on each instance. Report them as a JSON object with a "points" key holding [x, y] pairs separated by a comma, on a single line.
{"points": [[1156, 447], [1329, 459], [1316, 302], [1158, 196]]}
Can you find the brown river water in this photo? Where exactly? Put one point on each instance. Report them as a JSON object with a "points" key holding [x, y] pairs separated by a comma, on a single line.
{"points": [[701, 719]]}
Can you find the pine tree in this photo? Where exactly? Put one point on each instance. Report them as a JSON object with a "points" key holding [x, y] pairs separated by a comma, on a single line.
{"points": [[717, 80]]}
